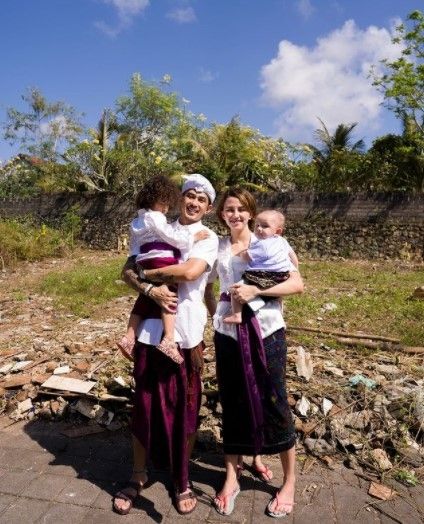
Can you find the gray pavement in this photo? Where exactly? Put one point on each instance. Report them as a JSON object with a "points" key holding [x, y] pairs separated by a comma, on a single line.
{"points": [[46, 477]]}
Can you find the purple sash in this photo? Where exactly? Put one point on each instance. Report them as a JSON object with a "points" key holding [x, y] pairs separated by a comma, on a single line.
{"points": [[160, 246], [255, 370]]}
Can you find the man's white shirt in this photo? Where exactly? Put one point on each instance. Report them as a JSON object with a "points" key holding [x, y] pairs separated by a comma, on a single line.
{"points": [[191, 314]]}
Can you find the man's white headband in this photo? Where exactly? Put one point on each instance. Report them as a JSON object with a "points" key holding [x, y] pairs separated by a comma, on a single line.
{"points": [[200, 184]]}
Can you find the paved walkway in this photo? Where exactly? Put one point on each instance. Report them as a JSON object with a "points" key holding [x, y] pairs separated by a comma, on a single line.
{"points": [[46, 477]]}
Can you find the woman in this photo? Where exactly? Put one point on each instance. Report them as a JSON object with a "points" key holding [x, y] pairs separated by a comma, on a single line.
{"points": [[250, 361]]}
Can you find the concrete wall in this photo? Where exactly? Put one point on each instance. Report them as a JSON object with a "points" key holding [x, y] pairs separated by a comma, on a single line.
{"points": [[377, 225]]}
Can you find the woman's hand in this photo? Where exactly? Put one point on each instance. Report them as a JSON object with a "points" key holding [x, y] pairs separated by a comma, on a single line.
{"points": [[165, 298], [244, 292]]}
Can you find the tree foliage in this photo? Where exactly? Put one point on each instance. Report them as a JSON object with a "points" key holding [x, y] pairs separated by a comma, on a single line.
{"points": [[44, 128]]}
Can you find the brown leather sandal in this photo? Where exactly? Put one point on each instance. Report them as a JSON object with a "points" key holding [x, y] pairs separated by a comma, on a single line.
{"points": [[179, 497], [129, 497]]}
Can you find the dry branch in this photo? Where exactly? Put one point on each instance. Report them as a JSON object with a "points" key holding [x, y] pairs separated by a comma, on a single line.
{"points": [[346, 335]]}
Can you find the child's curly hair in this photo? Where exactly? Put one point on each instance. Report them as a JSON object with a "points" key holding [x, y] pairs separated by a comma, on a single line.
{"points": [[159, 188]]}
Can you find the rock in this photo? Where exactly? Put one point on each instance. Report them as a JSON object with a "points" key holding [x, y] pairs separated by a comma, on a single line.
{"points": [[330, 368], [380, 491], [24, 406], [204, 411], [51, 366], [411, 456], [379, 457], [388, 370], [58, 406], [73, 348], [318, 446], [326, 406], [357, 419], [303, 406], [329, 306], [16, 381], [61, 370], [304, 366]]}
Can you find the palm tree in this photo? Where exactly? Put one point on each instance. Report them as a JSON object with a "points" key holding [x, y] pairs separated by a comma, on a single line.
{"points": [[341, 140], [337, 158]]}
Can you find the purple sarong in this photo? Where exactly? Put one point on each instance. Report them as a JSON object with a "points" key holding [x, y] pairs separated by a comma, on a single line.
{"points": [[166, 406], [251, 378]]}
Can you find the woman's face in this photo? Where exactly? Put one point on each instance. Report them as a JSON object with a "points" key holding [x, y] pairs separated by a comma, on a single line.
{"points": [[235, 214]]}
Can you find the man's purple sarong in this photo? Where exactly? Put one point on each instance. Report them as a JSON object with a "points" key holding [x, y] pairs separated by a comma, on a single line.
{"points": [[166, 406]]}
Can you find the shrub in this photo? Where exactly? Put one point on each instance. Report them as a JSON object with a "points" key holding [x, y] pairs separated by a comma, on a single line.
{"points": [[21, 240]]}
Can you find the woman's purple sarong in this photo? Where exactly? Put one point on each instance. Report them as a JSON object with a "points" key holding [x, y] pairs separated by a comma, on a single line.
{"points": [[251, 378], [166, 406]]}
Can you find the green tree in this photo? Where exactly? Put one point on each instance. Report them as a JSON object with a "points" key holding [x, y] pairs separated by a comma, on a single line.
{"points": [[45, 128], [338, 158], [402, 81]]}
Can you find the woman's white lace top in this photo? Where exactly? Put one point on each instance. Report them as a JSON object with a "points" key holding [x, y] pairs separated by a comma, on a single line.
{"points": [[229, 269]]}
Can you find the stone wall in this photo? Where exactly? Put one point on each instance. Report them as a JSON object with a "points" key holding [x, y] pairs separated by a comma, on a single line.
{"points": [[378, 225]]}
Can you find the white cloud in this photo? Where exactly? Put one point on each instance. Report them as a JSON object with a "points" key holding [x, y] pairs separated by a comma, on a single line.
{"points": [[127, 10], [330, 81], [182, 15], [305, 8], [206, 76]]}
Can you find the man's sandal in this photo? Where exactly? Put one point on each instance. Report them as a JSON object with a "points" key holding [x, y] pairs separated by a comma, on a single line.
{"points": [[131, 497], [278, 514], [228, 502], [180, 497], [264, 473]]}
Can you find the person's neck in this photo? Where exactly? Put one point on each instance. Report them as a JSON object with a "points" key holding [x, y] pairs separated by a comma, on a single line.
{"points": [[241, 237], [186, 222]]}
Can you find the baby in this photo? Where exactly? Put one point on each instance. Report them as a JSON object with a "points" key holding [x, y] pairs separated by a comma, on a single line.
{"points": [[270, 259]]}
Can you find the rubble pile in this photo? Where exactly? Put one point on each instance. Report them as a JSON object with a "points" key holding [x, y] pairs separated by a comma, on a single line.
{"points": [[360, 405]]}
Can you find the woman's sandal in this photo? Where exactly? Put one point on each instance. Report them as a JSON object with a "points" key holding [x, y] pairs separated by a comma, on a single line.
{"points": [[128, 497], [179, 497], [278, 514], [228, 500], [264, 473]]}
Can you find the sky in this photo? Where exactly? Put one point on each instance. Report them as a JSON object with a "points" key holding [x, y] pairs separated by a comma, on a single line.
{"points": [[277, 64]]}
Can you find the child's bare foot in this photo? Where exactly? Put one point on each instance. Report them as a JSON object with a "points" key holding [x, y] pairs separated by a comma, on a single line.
{"points": [[126, 346], [235, 318], [170, 349]]}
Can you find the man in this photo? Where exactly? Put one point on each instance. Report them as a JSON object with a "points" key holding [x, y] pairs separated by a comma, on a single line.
{"points": [[167, 396]]}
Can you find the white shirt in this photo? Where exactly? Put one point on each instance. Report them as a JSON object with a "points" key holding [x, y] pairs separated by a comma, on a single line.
{"points": [[191, 314], [151, 226], [230, 268]]}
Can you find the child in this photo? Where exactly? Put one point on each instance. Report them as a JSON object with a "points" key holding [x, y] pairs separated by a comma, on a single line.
{"points": [[155, 244], [270, 259]]}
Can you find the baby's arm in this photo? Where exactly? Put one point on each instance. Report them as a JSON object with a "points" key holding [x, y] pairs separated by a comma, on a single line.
{"points": [[180, 238], [201, 235]]}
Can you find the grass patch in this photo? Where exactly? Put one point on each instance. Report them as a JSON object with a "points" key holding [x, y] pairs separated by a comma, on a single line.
{"points": [[370, 297], [82, 289], [24, 241]]}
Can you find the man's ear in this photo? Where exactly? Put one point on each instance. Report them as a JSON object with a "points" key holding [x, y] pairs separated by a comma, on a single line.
{"points": [[209, 209]]}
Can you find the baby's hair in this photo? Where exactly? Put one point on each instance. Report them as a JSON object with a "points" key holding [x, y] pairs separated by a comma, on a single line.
{"points": [[278, 215], [159, 188]]}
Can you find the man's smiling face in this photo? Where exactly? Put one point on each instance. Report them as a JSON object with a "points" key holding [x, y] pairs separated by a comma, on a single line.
{"points": [[194, 206]]}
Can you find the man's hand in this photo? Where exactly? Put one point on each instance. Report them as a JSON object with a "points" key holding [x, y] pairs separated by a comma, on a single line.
{"points": [[165, 298]]}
